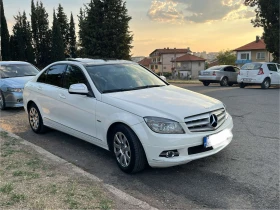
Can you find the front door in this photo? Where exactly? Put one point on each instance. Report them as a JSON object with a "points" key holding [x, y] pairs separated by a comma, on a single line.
{"points": [[78, 110]]}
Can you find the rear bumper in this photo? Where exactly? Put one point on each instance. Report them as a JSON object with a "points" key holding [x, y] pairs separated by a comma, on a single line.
{"points": [[253, 81], [13, 99]]}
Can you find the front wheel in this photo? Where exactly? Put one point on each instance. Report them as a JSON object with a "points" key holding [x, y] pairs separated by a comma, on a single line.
{"points": [[206, 83], [35, 119], [128, 150], [2, 101], [265, 84]]}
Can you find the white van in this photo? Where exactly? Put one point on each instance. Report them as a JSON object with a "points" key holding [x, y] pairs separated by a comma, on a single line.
{"points": [[259, 73]]}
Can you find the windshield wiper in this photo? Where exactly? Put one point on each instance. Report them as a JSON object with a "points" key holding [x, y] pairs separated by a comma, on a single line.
{"points": [[128, 89]]}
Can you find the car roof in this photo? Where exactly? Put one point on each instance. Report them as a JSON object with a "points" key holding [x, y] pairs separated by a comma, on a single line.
{"points": [[12, 62], [90, 62]]}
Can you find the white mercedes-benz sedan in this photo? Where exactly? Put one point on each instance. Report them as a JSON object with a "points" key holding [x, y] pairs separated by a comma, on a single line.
{"points": [[127, 109]]}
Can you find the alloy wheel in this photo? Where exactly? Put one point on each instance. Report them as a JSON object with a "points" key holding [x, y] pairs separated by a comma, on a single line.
{"points": [[122, 149], [34, 118]]}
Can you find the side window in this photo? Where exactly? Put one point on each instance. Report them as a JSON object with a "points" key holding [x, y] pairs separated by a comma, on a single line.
{"points": [[227, 69], [272, 67], [278, 66], [54, 75], [73, 75], [231, 69], [42, 77]]}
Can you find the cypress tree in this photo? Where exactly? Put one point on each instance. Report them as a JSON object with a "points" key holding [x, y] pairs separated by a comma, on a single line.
{"points": [[57, 41], [104, 29], [72, 38], [5, 45], [40, 33], [64, 27], [22, 45]]}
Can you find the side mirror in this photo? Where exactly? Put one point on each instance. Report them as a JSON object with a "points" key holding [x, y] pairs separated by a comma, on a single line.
{"points": [[78, 89], [163, 78]]}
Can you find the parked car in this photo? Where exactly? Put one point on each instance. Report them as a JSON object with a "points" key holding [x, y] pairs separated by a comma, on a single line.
{"points": [[259, 73], [127, 109], [226, 75], [13, 76]]}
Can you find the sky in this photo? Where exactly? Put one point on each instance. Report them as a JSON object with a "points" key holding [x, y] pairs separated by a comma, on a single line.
{"points": [[202, 25]]}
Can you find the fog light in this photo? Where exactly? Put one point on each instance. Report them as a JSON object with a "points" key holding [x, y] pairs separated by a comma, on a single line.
{"points": [[169, 153]]}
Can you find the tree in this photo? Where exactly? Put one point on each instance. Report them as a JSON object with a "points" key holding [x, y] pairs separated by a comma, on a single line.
{"points": [[41, 34], [5, 45], [64, 27], [57, 41], [226, 57], [22, 38], [104, 29], [267, 16], [72, 38]]}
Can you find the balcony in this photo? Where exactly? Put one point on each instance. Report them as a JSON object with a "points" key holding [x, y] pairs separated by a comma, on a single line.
{"points": [[243, 61]]}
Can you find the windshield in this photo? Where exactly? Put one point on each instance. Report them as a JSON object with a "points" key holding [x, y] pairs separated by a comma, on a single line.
{"points": [[122, 77], [17, 70], [214, 68], [251, 66]]}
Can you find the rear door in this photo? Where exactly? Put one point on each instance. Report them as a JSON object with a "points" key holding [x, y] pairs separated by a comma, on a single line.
{"points": [[274, 73]]}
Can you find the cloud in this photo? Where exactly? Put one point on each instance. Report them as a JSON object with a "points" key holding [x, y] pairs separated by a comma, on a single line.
{"points": [[165, 11], [198, 11]]}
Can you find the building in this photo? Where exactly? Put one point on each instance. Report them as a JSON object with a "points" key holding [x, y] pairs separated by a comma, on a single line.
{"points": [[189, 65], [136, 59], [162, 59], [253, 52], [145, 62]]}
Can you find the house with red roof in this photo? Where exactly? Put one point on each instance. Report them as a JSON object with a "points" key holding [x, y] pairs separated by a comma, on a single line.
{"points": [[253, 52], [187, 65], [146, 62], [162, 59]]}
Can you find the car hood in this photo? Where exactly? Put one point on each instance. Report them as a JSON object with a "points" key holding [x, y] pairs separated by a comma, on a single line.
{"points": [[15, 82], [168, 102]]}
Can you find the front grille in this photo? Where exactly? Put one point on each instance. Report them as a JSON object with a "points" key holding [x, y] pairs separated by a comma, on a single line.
{"points": [[198, 149], [201, 123]]}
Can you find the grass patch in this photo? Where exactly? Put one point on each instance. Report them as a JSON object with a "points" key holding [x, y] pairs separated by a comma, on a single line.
{"points": [[7, 188], [26, 174]]}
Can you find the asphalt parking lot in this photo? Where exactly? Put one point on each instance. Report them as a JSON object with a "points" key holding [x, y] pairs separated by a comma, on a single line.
{"points": [[245, 175]]}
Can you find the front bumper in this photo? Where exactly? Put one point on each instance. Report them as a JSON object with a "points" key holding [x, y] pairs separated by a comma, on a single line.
{"points": [[13, 99], [213, 79], [154, 144]]}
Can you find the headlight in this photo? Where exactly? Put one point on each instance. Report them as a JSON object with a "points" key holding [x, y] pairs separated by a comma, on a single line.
{"points": [[164, 126], [18, 90]]}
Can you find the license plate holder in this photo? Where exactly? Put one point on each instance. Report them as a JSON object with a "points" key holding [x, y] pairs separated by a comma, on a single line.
{"points": [[216, 139]]}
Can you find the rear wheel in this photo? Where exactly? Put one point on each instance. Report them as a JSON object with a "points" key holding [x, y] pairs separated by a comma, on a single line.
{"points": [[206, 83], [2, 101], [224, 82], [128, 150], [35, 119], [242, 85], [265, 84]]}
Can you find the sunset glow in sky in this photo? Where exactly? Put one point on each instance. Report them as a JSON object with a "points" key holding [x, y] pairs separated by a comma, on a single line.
{"points": [[202, 25]]}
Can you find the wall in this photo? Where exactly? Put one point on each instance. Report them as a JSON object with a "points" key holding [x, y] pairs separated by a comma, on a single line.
{"points": [[192, 67]]}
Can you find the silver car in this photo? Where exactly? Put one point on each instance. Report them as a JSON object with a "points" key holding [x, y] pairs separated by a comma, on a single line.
{"points": [[226, 75], [13, 76]]}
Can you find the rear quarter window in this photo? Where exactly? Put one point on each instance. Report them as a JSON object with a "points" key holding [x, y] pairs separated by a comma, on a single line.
{"points": [[251, 66]]}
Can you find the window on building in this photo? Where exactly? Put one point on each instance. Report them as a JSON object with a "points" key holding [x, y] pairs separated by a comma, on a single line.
{"points": [[179, 65], [156, 66], [158, 59], [199, 64], [260, 55], [244, 56], [152, 66]]}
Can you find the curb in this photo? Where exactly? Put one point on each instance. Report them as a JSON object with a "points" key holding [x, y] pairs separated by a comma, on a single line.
{"points": [[118, 193]]}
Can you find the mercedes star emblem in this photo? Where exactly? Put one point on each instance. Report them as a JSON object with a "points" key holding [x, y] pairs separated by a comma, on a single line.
{"points": [[213, 120]]}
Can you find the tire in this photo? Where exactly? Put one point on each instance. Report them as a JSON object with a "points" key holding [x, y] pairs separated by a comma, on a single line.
{"points": [[35, 120], [2, 101], [206, 83], [224, 82], [265, 84], [128, 150], [242, 85]]}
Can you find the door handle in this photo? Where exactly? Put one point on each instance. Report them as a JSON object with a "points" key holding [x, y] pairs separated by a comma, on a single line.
{"points": [[62, 96]]}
